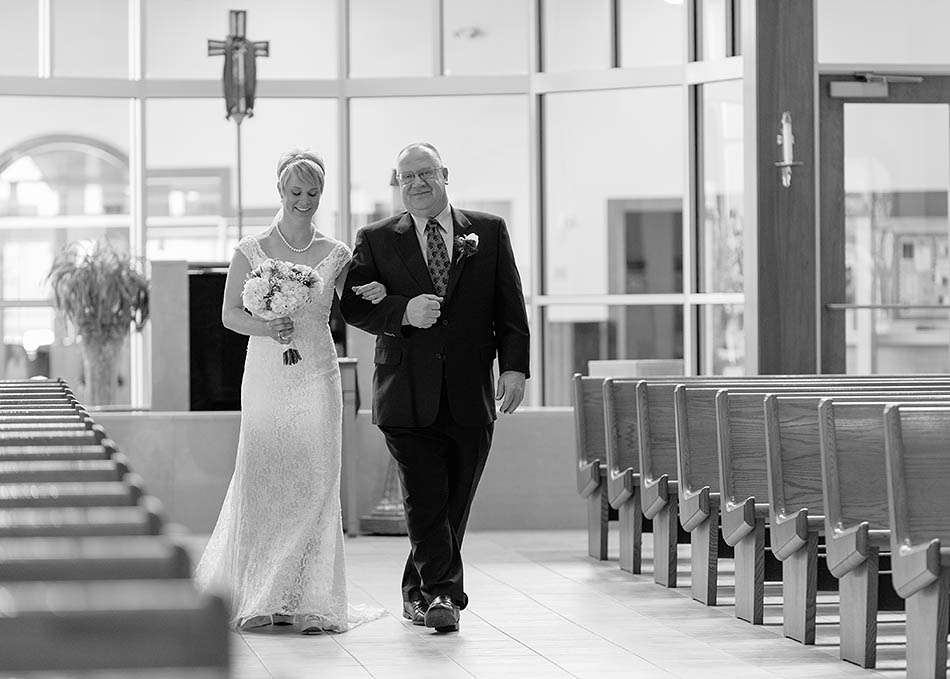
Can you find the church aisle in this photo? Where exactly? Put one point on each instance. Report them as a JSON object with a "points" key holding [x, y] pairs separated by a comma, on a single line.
{"points": [[542, 609]]}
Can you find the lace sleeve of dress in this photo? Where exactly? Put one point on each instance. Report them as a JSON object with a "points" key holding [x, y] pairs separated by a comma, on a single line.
{"points": [[343, 255], [250, 248]]}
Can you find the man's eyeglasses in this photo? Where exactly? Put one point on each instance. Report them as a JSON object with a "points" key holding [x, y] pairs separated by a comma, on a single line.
{"points": [[426, 175]]}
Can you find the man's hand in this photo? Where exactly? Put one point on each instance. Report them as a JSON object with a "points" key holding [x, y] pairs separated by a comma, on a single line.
{"points": [[424, 310], [510, 391]]}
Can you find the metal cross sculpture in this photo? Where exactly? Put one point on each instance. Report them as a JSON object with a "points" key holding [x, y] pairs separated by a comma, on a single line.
{"points": [[240, 65], [240, 82]]}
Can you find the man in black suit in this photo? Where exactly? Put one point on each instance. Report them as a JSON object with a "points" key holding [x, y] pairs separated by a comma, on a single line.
{"points": [[453, 300]]}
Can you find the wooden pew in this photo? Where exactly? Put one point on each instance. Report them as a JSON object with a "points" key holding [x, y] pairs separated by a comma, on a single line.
{"points": [[51, 471], [104, 450], [643, 462], [51, 437], [857, 528], [145, 518], [134, 557], [588, 406], [918, 472], [744, 480], [796, 498], [72, 494], [111, 625]]}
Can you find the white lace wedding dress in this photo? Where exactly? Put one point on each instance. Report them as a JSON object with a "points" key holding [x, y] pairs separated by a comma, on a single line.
{"points": [[277, 547]]}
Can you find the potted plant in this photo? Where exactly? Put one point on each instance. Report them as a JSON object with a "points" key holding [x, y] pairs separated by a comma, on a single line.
{"points": [[96, 286]]}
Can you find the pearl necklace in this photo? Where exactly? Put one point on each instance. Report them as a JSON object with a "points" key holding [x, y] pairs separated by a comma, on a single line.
{"points": [[291, 247]]}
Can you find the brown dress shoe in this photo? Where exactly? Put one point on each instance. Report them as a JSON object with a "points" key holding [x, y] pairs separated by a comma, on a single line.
{"points": [[443, 615], [414, 611]]}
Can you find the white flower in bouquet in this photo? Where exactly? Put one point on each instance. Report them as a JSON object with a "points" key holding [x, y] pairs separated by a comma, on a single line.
{"points": [[255, 290]]}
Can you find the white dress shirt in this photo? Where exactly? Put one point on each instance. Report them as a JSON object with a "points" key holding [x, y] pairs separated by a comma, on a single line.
{"points": [[448, 231]]}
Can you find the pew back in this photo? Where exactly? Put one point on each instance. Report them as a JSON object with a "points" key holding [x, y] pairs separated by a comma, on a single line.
{"points": [[917, 449]]}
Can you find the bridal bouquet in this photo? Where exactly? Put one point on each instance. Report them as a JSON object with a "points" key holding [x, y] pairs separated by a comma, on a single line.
{"points": [[277, 288]]}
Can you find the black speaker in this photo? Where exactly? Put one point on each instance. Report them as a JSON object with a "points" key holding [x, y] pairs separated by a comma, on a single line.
{"points": [[217, 354]]}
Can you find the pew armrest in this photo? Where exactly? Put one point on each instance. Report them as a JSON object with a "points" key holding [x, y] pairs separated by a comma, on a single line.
{"points": [[589, 477], [655, 494], [789, 532], [696, 506], [738, 518], [848, 548], [915, 566], [621, 486]]}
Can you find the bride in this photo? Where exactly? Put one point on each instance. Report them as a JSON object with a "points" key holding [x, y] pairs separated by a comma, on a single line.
{"points": [[277, 547]]}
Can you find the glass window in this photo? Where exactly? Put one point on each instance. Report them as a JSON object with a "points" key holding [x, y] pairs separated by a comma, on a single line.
{"points": [[576, 334], [302, 36], [192, 172], [897, 244], [720, 237], [880, 31], [651, 32], [490, 36], [483, 141], [576, 35], [716, 29], [613, 176], [391, 37], [722, 339], [192, 181], [101, 48], [19, 35], [64, 177]]}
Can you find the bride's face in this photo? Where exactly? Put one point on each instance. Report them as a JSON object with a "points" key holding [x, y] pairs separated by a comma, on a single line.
{"points": [[300, 197]]}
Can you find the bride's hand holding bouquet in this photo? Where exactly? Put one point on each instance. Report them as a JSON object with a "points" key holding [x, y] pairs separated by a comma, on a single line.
{"points": [[275, 291]]}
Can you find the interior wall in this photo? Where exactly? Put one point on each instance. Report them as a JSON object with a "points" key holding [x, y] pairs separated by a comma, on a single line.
{"points": [[187, 460]]}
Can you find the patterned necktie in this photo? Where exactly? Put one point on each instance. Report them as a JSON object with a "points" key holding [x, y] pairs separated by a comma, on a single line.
{"points": [[437, 256]]}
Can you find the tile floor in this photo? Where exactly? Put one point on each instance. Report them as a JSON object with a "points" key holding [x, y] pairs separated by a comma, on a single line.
{"points": [[542, 609]]}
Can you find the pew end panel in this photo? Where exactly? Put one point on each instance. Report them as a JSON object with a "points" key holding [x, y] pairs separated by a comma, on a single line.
{"points": [[697, 499], [621, 434], [589, 435]]}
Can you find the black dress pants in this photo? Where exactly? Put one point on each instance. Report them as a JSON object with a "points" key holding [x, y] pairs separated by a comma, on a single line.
{"points": [[439, 467]]}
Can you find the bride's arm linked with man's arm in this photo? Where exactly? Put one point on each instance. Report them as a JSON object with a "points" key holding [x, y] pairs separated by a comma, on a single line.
{"points": [[391, 315], [236, 318]]}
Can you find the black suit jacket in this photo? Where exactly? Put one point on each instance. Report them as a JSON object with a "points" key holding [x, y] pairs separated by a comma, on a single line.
{"points": [[483, 313]]}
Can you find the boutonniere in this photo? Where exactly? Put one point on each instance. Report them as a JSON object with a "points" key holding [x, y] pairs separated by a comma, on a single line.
{"points": [[467, 245]]}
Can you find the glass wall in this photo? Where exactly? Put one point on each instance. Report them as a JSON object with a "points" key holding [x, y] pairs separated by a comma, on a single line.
{"points": [[563, 116]]}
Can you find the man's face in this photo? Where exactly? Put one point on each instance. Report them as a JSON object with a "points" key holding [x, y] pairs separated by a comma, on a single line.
{"points": [[422, 181]]}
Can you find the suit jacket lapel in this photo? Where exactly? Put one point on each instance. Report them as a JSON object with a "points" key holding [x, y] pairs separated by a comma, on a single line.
{"points": [[462, 227], [407, 245]]}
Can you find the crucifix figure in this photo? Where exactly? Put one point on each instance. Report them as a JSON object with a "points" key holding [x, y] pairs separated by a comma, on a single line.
{"points": [[240, 65], [240, 82]]}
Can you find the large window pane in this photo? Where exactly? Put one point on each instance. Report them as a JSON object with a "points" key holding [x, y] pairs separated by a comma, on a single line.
{"points": [[613, 191], [483, 141], [574, 335], [64, 177], [489, 36], [391, 37], [576, 35], [716, 29], [720, 237], [721, 339], [302, 36], [192, 173], [897, 247], [19, 35], [100, 48], [651, 33], [883, 31]]}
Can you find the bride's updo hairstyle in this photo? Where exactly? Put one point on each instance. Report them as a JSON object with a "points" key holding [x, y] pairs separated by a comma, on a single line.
{"points": [[303, 163]]}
